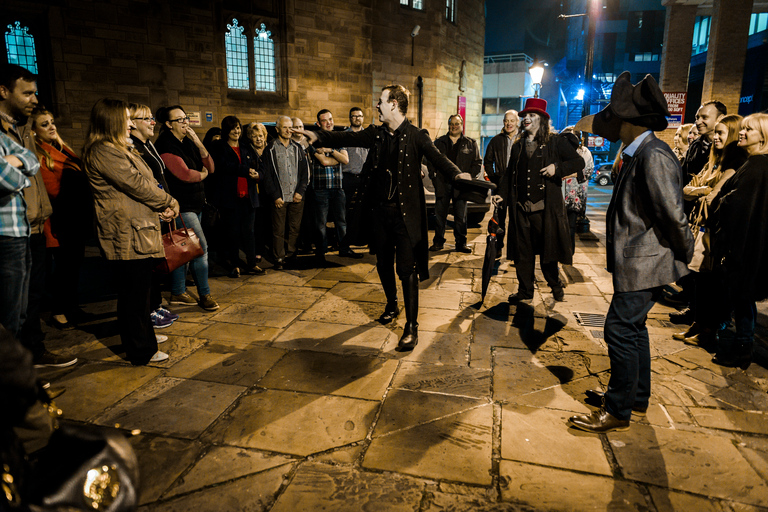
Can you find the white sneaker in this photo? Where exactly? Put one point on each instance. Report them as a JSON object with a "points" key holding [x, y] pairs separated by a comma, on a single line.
{"points": [[159, 356], [161, 338]]}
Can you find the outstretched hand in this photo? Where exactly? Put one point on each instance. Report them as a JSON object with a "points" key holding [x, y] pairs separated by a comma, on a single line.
{"points": [[497, 200]]}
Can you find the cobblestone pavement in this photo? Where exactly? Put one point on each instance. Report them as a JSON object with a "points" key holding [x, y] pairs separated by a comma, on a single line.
{"points": [[291, 397]]}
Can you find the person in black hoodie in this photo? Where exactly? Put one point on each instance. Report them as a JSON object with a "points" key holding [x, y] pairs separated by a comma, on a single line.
{"points": [[239, 170], [188, 164]]}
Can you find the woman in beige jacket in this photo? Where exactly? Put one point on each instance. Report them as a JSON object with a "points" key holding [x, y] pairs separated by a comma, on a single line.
{"points": [[128, 205]]}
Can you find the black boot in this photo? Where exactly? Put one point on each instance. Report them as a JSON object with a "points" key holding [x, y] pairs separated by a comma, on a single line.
{"points": [[387, 278], [739, 356], [411, 298]]}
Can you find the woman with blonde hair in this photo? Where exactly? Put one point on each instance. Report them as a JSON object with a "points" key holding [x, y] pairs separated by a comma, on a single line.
{"points": [[680, 146], [724, 158], [128, 206], [740, 244], [68, 228]]}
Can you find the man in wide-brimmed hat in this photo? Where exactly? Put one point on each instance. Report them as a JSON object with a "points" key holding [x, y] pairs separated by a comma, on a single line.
{"points": [[648, 244], [531, 190]]}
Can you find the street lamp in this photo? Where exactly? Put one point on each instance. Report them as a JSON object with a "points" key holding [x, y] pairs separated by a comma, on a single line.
{"points": [[537, 73]]}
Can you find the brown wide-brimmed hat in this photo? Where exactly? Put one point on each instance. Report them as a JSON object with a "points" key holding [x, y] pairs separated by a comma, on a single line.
{"points": [[474, 190], [642, 104]]}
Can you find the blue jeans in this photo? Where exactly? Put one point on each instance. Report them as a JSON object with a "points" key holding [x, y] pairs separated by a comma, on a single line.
{"points": [[199, 265], [334, 201], [629, 351], [744, 314], [15, 266]]}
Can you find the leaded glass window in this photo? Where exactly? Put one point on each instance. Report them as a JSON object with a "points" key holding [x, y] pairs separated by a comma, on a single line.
{"points": [[20, 47], [264, 59], [237, 57]]}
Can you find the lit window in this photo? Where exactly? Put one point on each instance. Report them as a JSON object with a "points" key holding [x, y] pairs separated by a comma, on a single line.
{"points": [[237, 57], [450, 10], [20, 47], [416, 4], [264, 59]]}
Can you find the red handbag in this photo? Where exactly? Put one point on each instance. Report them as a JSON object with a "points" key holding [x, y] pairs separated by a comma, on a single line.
{"points": [[181, 246]]}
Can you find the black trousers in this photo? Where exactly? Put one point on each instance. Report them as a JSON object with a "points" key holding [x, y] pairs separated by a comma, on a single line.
{"points": [[31, 334], [238, 228], [529, 229], [134, 282], [392, 241]]}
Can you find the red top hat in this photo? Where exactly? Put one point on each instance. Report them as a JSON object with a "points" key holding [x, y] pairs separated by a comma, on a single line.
{"points": [[537, 105]]}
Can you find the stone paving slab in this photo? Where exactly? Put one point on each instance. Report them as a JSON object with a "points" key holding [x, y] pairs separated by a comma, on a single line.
{"points": [[344, 375], [537, 436], [227, 364], [549, 489], [334, 309], [336, 337], [198, 405], [456, 448], [443, 320], [670, 501], [518, 372], [566, 397], [223, 463], [161, 461], [257, 314], [254, 493], [450, 380], [294, 423], [343, 489], [93, 387], [439, 348], [362, 292], [742, 421], [281, 296], [240, 335], [701, 464]]}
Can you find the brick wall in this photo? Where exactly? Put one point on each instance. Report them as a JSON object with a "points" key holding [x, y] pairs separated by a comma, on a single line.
{"points": [[338, 54]]}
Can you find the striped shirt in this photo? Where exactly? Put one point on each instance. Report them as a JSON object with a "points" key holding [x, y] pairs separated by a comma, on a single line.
{"points": [[13, 209]]}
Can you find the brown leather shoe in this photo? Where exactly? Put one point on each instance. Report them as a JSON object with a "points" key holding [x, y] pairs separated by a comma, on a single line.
{"points": [[692, 331], [595, 396], [599, 422]]}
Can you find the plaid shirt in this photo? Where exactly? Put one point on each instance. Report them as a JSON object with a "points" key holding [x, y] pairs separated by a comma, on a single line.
{"points": [[13, 209], [325, 177]]}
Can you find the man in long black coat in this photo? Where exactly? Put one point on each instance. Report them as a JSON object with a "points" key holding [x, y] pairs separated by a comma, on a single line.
{"points": [[393, 200], [531, 190]]}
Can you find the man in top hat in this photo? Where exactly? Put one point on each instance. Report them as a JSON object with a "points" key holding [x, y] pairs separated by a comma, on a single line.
{"points": [[531, 190], [648, 244]]}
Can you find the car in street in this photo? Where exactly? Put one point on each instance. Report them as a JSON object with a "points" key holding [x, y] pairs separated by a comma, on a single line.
{"points": [[475, 211], [603, 175]]}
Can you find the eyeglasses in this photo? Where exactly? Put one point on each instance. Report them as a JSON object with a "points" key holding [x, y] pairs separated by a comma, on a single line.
{"points": [[179, 120], [147, 119]]}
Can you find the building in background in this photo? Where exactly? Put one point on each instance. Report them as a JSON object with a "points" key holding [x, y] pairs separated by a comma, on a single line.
{"points": [[256, 59]]}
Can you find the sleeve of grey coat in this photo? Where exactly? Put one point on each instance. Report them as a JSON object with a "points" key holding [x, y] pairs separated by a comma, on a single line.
{"points": [[439, 161], [117, 169], [661, 175]]}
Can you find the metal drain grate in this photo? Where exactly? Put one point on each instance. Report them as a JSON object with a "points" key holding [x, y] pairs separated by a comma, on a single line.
{"points": [[590, 319]]}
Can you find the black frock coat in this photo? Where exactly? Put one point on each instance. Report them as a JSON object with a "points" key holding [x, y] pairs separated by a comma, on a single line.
{"points": [[414, 144]]}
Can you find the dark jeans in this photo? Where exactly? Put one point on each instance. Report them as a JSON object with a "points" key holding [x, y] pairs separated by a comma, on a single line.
{"points": [[331, 201], [238, 224], [67, 261], [529, 231], [629, 351], [31, 334], [392, 240], [352, 184], [286, 222], [442, 205], [134, 282], [744, 315], [709, 311], [15, 268]]}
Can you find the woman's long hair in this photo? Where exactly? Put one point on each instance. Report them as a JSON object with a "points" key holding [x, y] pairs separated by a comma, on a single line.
{"points": [[719, 157], [542, 134], [109, 121], [42, 153]]}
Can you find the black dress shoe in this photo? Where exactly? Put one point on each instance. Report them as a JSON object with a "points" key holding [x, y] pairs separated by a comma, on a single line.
{"points": [[558, 294], [436, 247], [596, 397], [516, 297], [599, 422], [390, 313], [463, 248], [739, 356], [234, 273], [279, 264], [684, 316], [410, 337]]}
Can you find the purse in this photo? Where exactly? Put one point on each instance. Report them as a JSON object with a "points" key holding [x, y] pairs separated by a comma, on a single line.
{"points": [[702, 256], [180, 246]]}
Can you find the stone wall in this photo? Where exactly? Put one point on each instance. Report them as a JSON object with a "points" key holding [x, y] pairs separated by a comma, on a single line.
{"points": [[336, 54]]}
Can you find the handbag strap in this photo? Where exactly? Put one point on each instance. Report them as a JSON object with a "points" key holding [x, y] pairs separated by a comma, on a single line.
{"points": [[184, 226]]}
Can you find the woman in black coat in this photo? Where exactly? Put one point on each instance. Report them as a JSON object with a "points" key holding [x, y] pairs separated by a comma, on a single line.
{"points": [[740, 243], [239, 169]]}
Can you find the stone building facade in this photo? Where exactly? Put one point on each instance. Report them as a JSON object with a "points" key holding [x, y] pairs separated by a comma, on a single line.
{"points": [[330, 54]]}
